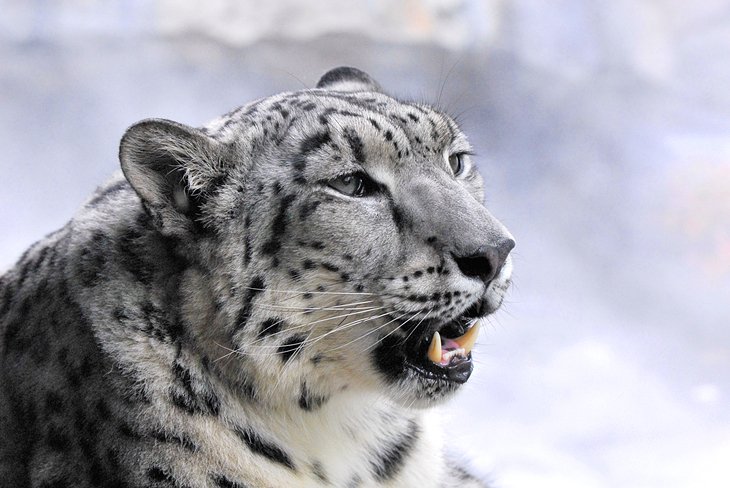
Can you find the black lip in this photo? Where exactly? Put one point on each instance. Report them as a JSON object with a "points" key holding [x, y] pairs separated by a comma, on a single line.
{"points": [[458, 370]]}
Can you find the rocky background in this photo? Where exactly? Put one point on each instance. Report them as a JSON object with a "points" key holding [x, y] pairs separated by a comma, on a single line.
{"points": [[603, 129]]}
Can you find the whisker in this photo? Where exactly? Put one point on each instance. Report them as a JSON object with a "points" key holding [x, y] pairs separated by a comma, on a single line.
{"points": [[389, 333], [368, 333], [309, 324], [258, 341], [272, 306], [304, 292], [416, 327]]}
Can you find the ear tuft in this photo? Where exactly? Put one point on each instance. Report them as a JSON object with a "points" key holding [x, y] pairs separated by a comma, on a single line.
{"points": [[168, 164], [348, 79]]}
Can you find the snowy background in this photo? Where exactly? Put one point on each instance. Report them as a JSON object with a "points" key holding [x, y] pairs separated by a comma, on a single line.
{"points": [[603, 128]]}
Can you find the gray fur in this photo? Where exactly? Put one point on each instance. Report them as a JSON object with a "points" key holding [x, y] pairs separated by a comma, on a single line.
{"points": [[224, 317]]}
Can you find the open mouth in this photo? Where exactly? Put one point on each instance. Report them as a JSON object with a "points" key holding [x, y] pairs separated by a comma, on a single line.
{"points": [[445, 354]]}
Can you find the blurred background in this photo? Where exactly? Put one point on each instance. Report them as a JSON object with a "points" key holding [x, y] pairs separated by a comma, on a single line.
{"points": [[603, 131]]}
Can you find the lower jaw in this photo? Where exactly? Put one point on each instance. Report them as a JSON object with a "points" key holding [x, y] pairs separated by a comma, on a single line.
{"points": [[457, 372]]}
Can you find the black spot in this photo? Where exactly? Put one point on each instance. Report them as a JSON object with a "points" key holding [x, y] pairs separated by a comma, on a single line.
{"points": [[309, 106], [388, 135], [294, 274], [431, 239], [54, 403], [57, 439], [94, 256], [330, 267], [309, 401], [134, 253], [374, 123], [265, 448], [224, 482], [413, 117], [356, 145], [184, 395], [256, 286], [13, 337], [418, 274], [389, 460], [128, 431], [398, 217], [308, 209], [54, 484], [318, 471], [430, 270], [291, 346], [247, 240], [460, 473], [308, 264], [278, 226], [355, 482], [103, 475], [318, 245], [269, 327], [103, 410], [172, 438], [185, 402], [156, 473], [314, 142]]}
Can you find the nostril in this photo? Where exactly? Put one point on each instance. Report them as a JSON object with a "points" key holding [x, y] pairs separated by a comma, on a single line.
{"points": [[476, 266], [504, 249], [485, 262]]}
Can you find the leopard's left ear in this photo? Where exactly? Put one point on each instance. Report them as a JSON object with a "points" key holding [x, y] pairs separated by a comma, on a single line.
{"points": [[348, 79], [170, 166]]}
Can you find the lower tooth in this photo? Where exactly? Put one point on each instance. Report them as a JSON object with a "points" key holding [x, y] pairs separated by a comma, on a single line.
{"points": [[456, 352]]}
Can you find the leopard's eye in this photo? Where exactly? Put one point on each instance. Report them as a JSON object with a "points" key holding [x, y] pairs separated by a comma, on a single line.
{"points": [[456, 161], [354, 185]]}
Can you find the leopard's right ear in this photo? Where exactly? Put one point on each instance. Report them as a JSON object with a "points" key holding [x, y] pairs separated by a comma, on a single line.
{"points": [[170, 166], [348, 79]]}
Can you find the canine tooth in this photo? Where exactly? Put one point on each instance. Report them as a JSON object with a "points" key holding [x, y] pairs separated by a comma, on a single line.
{"points": [[434, 350], [467, 341]]}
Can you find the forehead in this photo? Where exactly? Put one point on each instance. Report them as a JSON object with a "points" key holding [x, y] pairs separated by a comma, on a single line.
{"points": [[368, 124]]}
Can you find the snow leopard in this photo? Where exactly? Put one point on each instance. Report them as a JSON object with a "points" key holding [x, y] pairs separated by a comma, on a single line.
{"points": [[276, 299]]}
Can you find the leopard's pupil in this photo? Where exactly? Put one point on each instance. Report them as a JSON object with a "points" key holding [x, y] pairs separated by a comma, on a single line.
{"points": [[456, 163]]}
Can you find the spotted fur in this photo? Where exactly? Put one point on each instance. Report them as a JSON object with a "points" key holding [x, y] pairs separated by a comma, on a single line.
{"points": [[225, 314]]}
